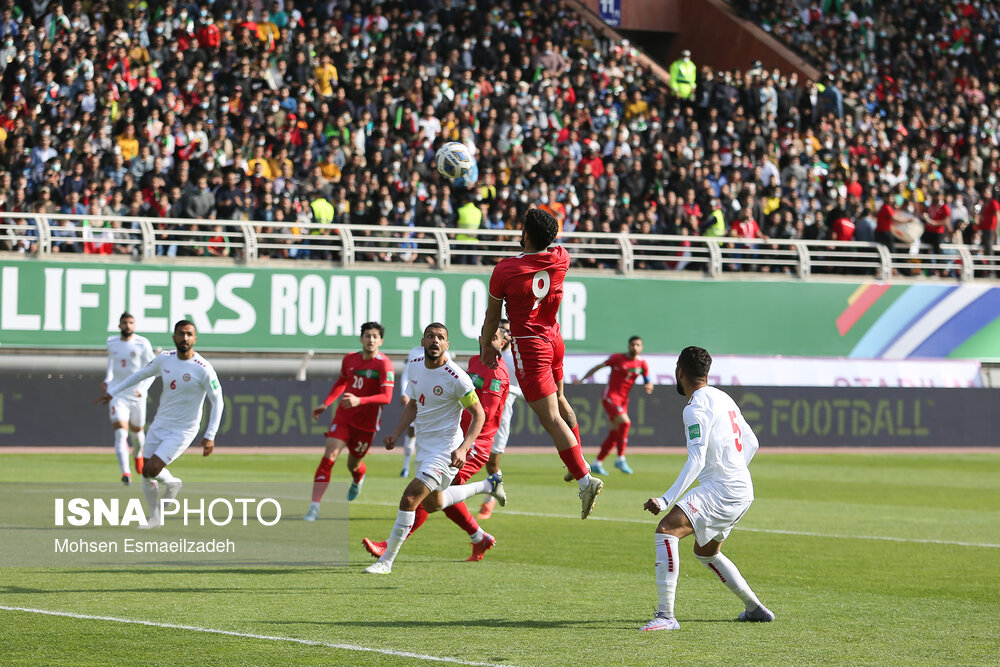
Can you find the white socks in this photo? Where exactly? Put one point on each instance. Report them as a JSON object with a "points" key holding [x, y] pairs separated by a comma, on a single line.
{"points": [[172, 485], [152, 492], [584, 481], [138, 439], [121, 449], [409, 445], [404, 522], [478, 536], [730, 575], [456, 494], [667, 570]]}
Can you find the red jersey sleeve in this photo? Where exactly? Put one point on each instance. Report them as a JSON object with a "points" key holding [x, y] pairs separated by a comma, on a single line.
{"points": [[645, 371], [339, 385], [497, 281]]}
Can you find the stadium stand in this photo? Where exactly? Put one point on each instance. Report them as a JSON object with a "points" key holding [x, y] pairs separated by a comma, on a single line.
{"points": [[307, 117]]}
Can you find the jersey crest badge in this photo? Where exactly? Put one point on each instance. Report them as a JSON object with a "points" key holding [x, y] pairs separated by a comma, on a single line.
{"points": [[187, 377], [438, 390]]}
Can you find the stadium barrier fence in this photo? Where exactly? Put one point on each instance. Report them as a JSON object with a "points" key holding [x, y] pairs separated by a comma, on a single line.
{"points": [[254, 242]]}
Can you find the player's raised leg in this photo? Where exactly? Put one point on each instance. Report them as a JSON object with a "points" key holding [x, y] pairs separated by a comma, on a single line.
{"points": [[492, 468], [137, 432], [622, 444], [409, 446], [158, 485], [323, 474], [121, 451]]}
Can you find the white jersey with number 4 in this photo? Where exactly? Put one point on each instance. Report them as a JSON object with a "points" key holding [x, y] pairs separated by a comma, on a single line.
{"points": [[126, 357], [185, 385], [441, 395], [720, 446]]}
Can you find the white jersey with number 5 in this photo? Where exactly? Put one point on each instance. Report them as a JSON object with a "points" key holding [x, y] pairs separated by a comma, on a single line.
{"points": [[185, 385], [720, 446], [441, 395], [126, 357]]}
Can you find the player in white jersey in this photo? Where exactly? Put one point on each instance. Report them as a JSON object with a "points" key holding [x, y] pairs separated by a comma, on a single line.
{"points": [[187, 379], [128, 353], [503, 433], [439, 391], [720, 446], [409, 441]]}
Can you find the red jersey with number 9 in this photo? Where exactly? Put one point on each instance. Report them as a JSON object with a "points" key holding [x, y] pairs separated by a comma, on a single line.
{"points": [[532, 286]]}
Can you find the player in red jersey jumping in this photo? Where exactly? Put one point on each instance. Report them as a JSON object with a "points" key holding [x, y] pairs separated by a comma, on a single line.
{"points": [[368, 378], [625, 368], [492, 386], [531, 284]]}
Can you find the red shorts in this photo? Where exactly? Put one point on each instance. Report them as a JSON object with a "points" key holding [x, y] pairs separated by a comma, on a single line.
{"points": [[358, 441], [613, 408], [538, 365], [477, 458]]}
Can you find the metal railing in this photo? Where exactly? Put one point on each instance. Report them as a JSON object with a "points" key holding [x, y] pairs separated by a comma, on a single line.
{"points": [[346, 245]]}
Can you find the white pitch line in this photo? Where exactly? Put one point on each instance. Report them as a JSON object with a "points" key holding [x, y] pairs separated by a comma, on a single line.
{"points": [[773, 531], [251, 635]]}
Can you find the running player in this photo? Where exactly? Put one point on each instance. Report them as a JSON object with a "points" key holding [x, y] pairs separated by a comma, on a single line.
{"points": [[531, 284], [624, 370], [492, 387], [369, 376], [127, 353], [503, 432], [720, 446], [187, 379], [439, 390]]}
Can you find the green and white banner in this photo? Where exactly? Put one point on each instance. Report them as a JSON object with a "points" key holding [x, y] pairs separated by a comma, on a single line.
{"points": [[77, 304]]}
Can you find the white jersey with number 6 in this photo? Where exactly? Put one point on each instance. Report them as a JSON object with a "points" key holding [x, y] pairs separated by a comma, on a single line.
{"points": [[441, 395], [720, 446], [185, 385], [126, 357]]}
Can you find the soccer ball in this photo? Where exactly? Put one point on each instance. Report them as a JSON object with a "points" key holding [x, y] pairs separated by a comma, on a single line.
{"points": [[454, 161]]}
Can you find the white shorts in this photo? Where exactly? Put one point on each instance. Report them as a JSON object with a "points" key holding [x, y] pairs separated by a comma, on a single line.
{"points": [[166, 445], [503, 431], [435, 471], [131, 409], [712, 516]]}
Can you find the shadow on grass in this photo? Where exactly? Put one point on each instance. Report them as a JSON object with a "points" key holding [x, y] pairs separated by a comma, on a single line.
{"points": [[534, 624]]}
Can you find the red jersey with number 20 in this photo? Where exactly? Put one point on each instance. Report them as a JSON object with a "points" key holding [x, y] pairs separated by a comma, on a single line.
{"points": [[624, 371], [371, 381], [532, 286]]}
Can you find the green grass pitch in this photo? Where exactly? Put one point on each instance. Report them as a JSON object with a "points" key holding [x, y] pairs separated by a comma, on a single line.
{"points": [[865, 559]]}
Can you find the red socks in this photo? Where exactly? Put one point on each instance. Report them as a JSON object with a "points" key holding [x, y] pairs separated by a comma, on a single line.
{"points": [[360, 472], [608, 444], [459, 513], [573, 458], [623, 438], [418, 519], [321, 479], [576, 432]]}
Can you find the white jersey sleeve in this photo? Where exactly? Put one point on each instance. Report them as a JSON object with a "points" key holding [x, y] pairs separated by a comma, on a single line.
{"points": [[695, 433], [405, 379], [213, 390], [109, 372], [151, 370]]}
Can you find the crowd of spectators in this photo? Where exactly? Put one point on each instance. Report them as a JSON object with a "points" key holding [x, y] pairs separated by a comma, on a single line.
{"points": [[292, 113]]}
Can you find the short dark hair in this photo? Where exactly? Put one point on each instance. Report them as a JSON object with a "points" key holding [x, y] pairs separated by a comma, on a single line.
{"points": [[436, 325], [373, 325], [184, 323], [541, 228], [126, 316], [695, 362], [633, 339]]}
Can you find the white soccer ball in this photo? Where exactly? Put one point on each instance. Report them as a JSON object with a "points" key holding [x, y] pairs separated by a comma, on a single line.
{"points": [[454, 160]]}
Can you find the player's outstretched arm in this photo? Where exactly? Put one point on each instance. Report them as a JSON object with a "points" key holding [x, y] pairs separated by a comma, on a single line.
{"points": [[489, 355], [150, 370], [215, 417], [338, 388], [590, 372]]}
